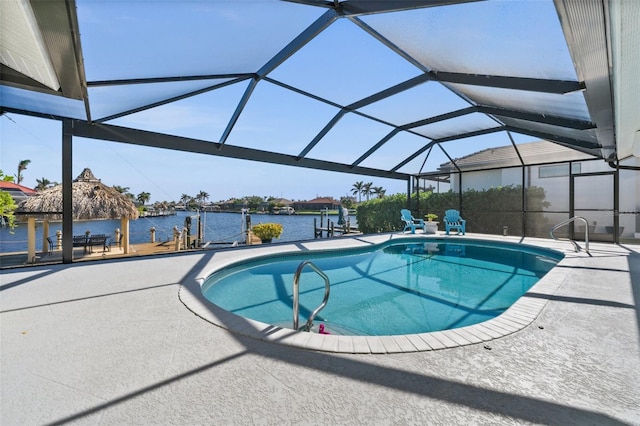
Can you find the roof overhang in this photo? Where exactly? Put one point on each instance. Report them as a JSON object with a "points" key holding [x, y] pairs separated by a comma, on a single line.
{"points": [[625, 47], [40, 47]]}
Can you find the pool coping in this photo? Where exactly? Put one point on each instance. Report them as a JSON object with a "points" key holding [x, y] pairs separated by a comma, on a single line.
{"points": [[519, 316]]}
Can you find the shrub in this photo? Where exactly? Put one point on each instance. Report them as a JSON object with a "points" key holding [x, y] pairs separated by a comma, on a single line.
{"points": [[486, 211], [381, 214], [267, 231]]}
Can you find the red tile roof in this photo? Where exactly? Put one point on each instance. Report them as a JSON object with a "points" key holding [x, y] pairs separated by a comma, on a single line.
{"points": [[322, 200], [10, 186]]}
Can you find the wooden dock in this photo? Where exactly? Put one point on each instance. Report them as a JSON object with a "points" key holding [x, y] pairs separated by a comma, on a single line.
{"points": [[333, 230], [16, 259]]}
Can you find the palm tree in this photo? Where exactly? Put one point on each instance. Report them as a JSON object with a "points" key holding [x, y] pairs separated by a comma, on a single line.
{"points": [[357, 190], [143, 197], [184, 199], [42, 184], [5, 178], [22, 166], [202, 197], [121, 189], [161, 205], [379, 191], [346, 201], [366, 189]]}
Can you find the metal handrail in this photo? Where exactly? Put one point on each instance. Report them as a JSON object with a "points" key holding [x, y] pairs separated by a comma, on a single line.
{"points": [[296, 295], [586, 232]]}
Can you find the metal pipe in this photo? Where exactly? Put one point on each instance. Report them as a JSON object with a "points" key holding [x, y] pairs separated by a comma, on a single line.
{"points": [[296, 295], [586, 232]]}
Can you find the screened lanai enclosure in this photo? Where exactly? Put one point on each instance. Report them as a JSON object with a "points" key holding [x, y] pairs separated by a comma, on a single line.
{"points": [[521, 114]]}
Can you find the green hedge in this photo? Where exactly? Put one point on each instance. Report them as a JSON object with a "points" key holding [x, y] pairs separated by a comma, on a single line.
{"points": [[381, 214], [485, 211]]}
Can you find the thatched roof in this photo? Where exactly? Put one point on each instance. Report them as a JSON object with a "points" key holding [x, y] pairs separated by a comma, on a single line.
{"points": [[91, 200]]}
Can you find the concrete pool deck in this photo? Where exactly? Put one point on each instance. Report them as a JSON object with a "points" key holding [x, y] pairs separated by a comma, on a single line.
{"points": [[111, 342]]}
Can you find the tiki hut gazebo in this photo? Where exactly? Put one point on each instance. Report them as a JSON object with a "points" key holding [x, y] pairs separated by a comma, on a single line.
{"points": [[92, 200]]}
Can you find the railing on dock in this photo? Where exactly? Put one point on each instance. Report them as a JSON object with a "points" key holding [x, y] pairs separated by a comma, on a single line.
{"points": [[332, 228]]}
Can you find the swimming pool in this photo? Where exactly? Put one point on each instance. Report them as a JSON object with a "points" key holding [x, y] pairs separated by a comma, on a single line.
{"points": [[408, 286]]}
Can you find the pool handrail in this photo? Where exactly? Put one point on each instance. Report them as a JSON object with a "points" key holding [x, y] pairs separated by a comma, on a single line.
{"points": [[586, 232], [296, 295]]}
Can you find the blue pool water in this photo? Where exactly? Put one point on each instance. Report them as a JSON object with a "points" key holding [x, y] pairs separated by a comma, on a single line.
{"points": [[412, 286]]}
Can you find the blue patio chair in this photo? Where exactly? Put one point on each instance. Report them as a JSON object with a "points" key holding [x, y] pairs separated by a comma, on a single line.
{"points": [[452, 220], [410, 223]]}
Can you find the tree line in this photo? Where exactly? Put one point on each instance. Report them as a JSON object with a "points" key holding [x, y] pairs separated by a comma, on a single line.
{"points": [[358, 189], [367, 189]]}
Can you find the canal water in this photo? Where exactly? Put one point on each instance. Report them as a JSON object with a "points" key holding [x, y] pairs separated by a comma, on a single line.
{"points": [[218, 228]]}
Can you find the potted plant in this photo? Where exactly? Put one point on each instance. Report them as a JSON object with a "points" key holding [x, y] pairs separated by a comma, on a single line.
{"points": [[431, 227], [431, 217], [267, 231]]}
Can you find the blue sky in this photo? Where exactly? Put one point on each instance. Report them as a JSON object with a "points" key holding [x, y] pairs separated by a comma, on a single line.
{"points": [[107, 27], [166, 175], [160, 38]]}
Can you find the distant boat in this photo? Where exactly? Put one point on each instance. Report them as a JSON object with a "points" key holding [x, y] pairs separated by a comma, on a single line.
{"points": [[284, 210]]}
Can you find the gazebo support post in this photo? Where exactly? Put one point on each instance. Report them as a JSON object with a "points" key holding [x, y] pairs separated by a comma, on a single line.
{"points": [[124, 225], [31, 240], [45, 234]]}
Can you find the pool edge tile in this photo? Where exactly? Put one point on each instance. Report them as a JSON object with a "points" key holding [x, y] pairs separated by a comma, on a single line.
{"points": [[505, 324], [360, 345], [490, 333], [432, 341], [314, 342], [404, 343], [390, 345], [345, 344], [329, 343], [519, 317], [289, 337], [375, 345], [444, 339], [417, 341], [467, 335]]}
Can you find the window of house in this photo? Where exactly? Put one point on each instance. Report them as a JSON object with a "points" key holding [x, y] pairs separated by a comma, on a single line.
{"points": [[558, 170]]}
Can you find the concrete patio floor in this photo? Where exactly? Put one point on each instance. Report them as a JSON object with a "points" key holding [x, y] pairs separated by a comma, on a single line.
{"points": [[111, 343]]}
